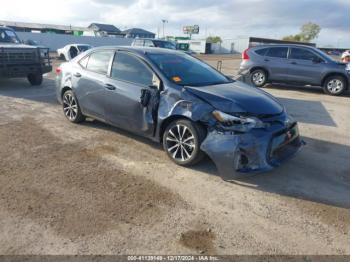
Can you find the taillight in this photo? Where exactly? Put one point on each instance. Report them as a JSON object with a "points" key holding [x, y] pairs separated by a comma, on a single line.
{"points": [[245, 55], [58, 70]]}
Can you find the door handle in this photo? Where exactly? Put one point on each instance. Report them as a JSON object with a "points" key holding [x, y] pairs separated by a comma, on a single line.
{"points": [[266, 60], [110, 87], [293, 63], [77, 74]]}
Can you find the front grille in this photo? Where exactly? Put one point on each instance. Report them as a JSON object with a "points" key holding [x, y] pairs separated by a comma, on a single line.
{"points": [[8, 56]]}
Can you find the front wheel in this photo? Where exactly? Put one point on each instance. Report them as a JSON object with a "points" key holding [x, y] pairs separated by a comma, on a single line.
{"points": [[335, 85], [35, 79], [182, 140], [71, 107], [258, 77]]}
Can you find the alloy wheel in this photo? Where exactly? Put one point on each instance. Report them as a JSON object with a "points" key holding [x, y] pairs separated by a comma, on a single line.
{"points": [[258, 78], [334, 86], [180, 143], [70, 107]]}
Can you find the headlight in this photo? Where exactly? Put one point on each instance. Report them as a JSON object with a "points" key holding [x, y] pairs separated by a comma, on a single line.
{"points": [[235, 123]]}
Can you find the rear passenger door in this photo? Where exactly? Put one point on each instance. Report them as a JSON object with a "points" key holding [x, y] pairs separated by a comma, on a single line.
{"points": [[305, 66], [276, 61], [89, 82]]}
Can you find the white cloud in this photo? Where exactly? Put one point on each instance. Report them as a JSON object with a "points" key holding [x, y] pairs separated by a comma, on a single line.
{"points": [[227, 18]]}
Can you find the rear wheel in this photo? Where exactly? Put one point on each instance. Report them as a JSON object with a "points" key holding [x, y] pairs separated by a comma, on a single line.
{"points": [[71, 107], [258, 77], [35, 79], [182, 140], [335, 85]]}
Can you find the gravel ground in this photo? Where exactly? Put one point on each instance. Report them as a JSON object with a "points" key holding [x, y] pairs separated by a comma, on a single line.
{"points": [[95, 189]]}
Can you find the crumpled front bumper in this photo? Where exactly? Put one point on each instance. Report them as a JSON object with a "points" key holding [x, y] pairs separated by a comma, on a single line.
{"points": [[238, 155]]}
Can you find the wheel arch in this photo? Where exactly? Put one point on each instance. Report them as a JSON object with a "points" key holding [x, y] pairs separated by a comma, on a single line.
{"points": [[260, 68], [169, 120], [335, 74], [65, 89]]}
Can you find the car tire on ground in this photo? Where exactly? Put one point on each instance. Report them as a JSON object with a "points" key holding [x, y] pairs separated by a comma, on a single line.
{"points": [[35, 79], [71, 108], [335, 85], [182, 140], [258, 77]]}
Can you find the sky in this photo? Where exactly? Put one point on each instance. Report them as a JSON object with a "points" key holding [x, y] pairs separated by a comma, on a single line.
{"points": [[228, 19]]}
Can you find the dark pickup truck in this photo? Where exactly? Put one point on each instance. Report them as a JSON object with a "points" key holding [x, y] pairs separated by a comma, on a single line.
{"points": [[19, 60]]}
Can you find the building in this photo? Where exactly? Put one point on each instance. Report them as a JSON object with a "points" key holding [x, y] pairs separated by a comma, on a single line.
{"points": [[238, 45], [138, 33], [105, 30], [45, 28]]}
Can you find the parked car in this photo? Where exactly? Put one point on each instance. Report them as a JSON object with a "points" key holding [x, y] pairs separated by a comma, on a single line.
{"points": [[295, 64], [149, 42], [180, 101], [20, 60], [70, 51]]}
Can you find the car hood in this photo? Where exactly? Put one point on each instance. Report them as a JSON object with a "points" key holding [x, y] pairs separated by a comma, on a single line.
{"points": [[237, 97]]}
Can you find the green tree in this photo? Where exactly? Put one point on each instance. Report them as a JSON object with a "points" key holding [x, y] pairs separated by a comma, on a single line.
{"points": [[214, 39], [308, 32]]}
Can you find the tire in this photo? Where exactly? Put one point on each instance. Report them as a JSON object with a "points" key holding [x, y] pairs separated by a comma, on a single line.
{"points": [[71, 108], [35, 79], [258, 77], [335, 85], [182, 140]]}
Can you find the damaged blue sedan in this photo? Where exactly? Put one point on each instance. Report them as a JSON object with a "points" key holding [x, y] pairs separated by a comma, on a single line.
{"points": [[181, 102]]}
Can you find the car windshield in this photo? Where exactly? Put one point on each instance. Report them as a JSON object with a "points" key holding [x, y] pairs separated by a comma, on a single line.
{"points": [[83, 48], [186, 70], [8, 36], [164, 44], [324, 55]]}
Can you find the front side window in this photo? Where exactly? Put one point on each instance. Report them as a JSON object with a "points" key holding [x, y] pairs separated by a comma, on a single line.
{"points": [[302, 54], [83, 48], [277, 52], [8, 36], [185, 70], [99, 62], [129, 68], [149, 43]]}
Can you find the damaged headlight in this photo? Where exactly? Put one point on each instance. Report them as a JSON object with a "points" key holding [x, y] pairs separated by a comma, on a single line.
{"points": [[237, 123]]}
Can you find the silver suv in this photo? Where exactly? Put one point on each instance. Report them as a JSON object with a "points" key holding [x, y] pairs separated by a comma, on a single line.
{"points": [[295, 64]]}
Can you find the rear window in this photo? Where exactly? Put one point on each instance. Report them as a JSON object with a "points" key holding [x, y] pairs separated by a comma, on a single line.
{"points": [[278, 52], [262, 51]]}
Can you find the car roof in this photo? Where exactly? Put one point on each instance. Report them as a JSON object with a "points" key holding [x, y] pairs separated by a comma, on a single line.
{"points": [[140, 50], [283, 45]]}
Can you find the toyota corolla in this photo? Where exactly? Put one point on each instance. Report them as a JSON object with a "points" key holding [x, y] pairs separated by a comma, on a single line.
{"points": [[181, 102]]}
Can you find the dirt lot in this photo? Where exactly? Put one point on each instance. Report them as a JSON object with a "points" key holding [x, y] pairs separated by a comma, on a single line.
{"points": [[95, 189]]}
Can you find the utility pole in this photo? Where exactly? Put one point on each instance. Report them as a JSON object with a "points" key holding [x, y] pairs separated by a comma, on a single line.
{"points": [[164, 22]]}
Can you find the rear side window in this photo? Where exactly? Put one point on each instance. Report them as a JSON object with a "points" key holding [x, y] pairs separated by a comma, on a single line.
{"points": [[302, 54], [99, 62], [129, 68], [149, 43], [262, 51], [278, 52]]}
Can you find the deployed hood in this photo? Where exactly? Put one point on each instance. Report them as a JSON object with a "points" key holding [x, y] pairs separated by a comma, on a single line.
{"points": [[238, 97]]}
